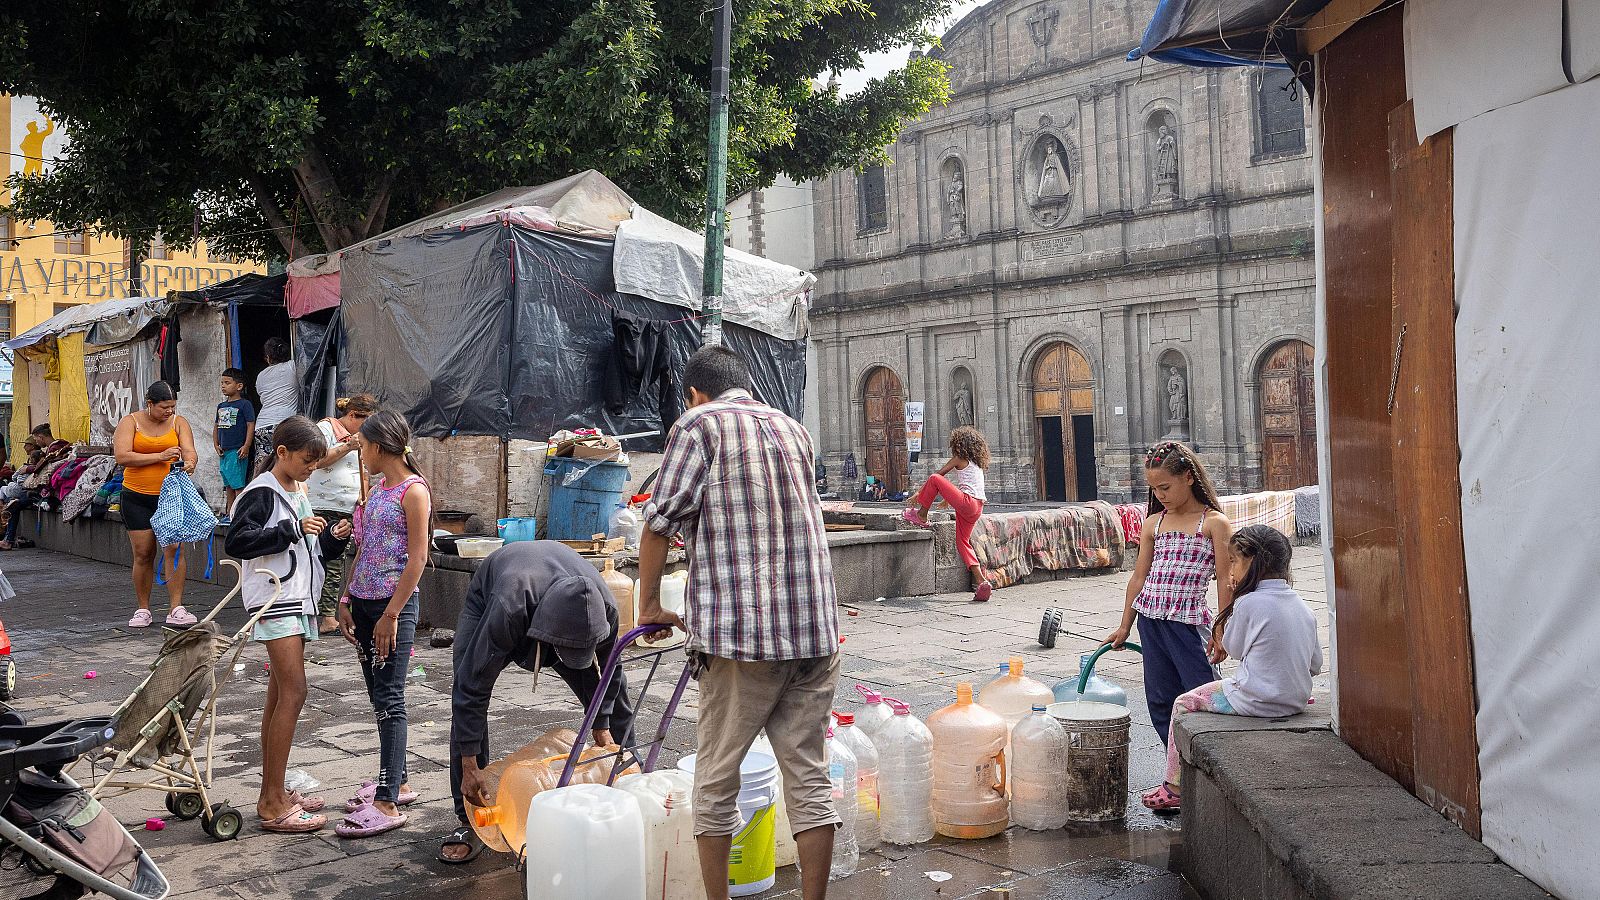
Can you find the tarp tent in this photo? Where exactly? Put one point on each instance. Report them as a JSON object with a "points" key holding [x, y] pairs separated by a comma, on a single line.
{"points": [[1227, 32], [504, 317]]}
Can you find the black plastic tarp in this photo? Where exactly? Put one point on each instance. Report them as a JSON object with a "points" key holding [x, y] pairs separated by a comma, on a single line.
{"points": [[508, 331], [318, 346]]}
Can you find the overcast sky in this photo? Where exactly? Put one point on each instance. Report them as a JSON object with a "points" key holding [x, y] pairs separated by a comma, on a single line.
{"points": [[878, 64]]}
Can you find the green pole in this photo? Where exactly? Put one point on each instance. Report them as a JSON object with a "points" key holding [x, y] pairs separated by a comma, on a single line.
{"points": [[716, 178]]}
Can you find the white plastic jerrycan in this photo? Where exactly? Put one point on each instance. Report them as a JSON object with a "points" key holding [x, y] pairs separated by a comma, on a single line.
{"points": [[672, 866], [586, 840], [674, 589]]}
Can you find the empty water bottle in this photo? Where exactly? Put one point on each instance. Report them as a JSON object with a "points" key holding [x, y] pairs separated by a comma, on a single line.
{"points": [[1098, 690], [1012, 695], [874, 712], [867, 834], [842, 776], [1039, 772], [905, 778]]}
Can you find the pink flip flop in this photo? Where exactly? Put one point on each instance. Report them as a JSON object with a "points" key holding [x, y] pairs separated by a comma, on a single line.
{"points": [[309, 804], [982, 594], [915, 518], [366, 822], [369, 792]]}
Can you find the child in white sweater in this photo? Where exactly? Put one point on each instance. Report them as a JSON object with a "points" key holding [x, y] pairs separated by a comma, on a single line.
{"points": [[1272, 633]]}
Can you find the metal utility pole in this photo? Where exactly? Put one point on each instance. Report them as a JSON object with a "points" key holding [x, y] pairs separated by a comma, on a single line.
{"points": [[716, 177]]}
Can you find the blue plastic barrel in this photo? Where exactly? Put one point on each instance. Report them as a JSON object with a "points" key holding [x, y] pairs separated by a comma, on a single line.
{"points": [[581, 507]]}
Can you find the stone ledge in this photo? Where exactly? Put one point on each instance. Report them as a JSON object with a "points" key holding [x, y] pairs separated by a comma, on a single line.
{"points": [[1281, 808]]}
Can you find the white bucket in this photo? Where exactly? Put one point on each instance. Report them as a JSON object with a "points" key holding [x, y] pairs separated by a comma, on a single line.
{"points": [[752, 861]]}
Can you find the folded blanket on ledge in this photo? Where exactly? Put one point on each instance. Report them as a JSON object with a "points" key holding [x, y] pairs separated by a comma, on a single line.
{"points": [[1012, 546]]}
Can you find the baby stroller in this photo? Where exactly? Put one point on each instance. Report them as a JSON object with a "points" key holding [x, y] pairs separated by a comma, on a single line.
{"points": [[56, 841], [172, 711]]}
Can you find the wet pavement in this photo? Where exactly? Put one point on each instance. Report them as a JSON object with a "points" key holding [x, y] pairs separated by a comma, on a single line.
{"points": [[69, 619]]}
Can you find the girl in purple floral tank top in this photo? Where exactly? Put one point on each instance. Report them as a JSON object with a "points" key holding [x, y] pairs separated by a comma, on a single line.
{"points": [[1180, 552], [379, 613]]}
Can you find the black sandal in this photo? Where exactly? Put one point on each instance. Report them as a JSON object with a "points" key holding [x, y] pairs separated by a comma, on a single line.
{"points": [[461, 837]]}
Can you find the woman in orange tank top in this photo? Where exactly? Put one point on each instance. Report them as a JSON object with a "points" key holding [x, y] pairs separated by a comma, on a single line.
{"points": [[147, 445]]}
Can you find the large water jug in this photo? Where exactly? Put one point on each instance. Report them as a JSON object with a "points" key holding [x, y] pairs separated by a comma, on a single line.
{"points": [[868, 836], [1039, 772], [874, 712], [787, 853], [672, 867], [1098, 689], [1012, 695], [586, 840], [969, 769], [510, 785], [674, 588], [842, 777], [905, 778], [627, 522], [622, 590]]}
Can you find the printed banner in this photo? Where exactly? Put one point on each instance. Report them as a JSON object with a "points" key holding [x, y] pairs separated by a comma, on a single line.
{"points": [[117, 381], [914, 427]]}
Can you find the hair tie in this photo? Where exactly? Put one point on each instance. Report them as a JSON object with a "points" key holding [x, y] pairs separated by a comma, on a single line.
{"points": [[408, 449]]}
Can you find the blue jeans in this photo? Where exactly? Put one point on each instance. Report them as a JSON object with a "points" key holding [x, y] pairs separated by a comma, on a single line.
{"points": [[386, 687], [1175, 663]]}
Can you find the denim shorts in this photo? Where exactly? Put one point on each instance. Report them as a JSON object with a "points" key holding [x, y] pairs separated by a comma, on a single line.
{"points": [[287, 626]]}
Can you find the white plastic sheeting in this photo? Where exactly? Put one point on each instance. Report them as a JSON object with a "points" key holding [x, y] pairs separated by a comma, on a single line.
{"points": [[1527, 209], [1583, 38], [663, 261], [1467, 57]]}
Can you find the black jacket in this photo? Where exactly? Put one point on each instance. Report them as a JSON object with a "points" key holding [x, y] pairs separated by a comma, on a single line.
{"points": [[524, 599]]}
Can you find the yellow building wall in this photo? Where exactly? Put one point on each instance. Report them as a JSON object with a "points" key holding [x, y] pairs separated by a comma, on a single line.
{"points": [[35, 278]]}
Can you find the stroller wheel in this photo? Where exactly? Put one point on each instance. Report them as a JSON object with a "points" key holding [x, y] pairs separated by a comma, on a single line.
{"points": [[185, 806], [224, 823], [8, 678], [1049, 628]]}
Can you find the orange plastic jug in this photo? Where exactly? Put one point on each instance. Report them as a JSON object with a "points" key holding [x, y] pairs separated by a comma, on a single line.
{"points": [[591, 769], [1012, 696], [503, 826], [621, 587], [559, 740], [969, 769]]}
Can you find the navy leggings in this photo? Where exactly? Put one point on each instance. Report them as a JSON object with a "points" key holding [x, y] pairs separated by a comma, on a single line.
{"points": [[1175, 663]]}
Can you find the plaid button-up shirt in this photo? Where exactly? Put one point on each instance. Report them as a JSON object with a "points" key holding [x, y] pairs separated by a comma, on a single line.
{"points": [[736, 480]]}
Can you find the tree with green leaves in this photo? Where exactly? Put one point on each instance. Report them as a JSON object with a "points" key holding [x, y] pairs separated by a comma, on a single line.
{"points": [[276, 128]]}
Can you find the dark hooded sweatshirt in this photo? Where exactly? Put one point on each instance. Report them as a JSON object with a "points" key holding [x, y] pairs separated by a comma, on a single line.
{"points": [[529, 601]]}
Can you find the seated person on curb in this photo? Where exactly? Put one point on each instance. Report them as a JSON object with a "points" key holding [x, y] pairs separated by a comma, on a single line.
{"points": [[535, 604]]}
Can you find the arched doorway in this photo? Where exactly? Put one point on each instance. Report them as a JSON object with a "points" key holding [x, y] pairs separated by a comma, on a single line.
{"points": [[885, 402], [1063, 416], [1288, 417]]}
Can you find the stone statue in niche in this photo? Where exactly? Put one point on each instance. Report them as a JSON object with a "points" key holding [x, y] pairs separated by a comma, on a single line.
{"points": [[1177, 388], [955, 198], [1166, 165], [1053, 182], [963, 402]]}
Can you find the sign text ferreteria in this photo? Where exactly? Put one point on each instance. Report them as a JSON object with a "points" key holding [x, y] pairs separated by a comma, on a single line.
{"points": [[93, 278]]}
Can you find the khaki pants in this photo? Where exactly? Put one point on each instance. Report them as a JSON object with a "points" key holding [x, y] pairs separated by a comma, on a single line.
{"points": [[791, 699]]}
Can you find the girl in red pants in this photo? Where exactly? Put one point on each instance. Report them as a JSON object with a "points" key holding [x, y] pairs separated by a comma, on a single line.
{"points": [[960, 484]]}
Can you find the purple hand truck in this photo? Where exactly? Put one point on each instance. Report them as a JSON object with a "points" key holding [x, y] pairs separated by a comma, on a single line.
{"points": [[620, 759]]}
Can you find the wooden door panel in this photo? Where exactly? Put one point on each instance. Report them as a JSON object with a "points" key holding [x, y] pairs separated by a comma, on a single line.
{"points": [[1063, 386]]}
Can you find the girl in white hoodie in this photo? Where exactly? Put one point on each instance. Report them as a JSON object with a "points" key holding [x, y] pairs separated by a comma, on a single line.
{"points": [[274, 530]]}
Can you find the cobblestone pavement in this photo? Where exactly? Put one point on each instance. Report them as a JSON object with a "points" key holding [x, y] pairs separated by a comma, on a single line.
{"points": [[68, 619]]}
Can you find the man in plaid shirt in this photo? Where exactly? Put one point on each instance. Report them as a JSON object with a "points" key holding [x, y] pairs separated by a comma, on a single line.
{"points": [[736, 481]]}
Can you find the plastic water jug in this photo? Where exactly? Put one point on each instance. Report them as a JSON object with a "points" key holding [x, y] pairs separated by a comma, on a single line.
{"points": [[628, 522], [503, 825], [842, 777], [868, 837], [905, 778], [672, 867], [674, 588], [1012, 695], [622, 589], [591, 767], [1039, 772], [1098, 690], [787, 853], [969, 769], [874, 712], [586, 840]]}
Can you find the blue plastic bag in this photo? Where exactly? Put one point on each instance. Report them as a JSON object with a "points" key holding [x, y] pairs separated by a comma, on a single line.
{"points": [[181, 515]]}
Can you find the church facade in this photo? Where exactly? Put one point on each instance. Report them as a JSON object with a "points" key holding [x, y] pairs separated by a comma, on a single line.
{"points": [[1079, 255]]}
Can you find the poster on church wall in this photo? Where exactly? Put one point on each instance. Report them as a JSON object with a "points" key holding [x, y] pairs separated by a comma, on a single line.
{"points": [[117, 381], [914, 411], [36, 142]]}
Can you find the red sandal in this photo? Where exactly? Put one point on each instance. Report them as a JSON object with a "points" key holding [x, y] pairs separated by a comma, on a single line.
{"points": [[1163, 800]]}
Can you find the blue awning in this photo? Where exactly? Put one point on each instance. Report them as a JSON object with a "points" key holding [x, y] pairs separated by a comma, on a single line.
{"points": [[1226, 32]]}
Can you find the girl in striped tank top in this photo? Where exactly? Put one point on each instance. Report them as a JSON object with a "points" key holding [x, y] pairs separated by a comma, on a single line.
{"points": [[1182, 547]]}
